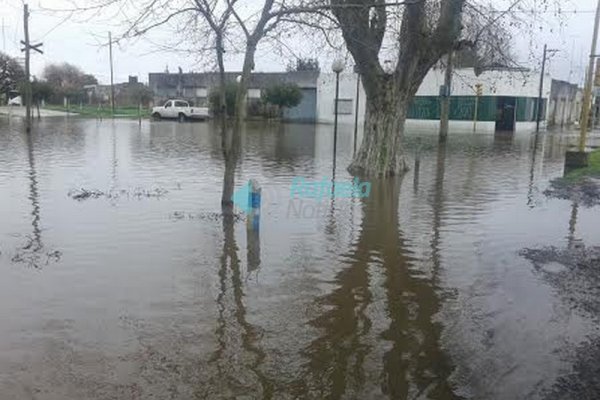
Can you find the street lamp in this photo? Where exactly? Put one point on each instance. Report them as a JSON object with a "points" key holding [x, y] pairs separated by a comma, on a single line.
{"points": [[337, 67], [357, 72]]}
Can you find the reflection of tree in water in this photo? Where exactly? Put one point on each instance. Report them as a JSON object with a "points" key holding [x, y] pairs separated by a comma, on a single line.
{"points": [[33, 252], [238, 357], [413, 365]]}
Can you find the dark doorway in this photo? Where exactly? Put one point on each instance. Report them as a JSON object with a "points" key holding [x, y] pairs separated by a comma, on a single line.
{"points": [[505, 114]]}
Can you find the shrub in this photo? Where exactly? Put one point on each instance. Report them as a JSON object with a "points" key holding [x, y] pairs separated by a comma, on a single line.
{"points": [[285, 95], [213, 99]]}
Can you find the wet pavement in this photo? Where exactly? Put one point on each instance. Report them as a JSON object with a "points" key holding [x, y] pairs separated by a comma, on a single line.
{"points": [[429, 288]]}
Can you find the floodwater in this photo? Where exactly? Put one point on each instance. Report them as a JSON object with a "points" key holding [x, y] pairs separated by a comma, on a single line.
{"points": [[416, 292]]}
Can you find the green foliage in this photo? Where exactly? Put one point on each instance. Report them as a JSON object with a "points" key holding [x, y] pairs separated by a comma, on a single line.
{"points": [[304, 64], [11, 74], [93, 111], [214, 102], [592, 170], [285, 95], [68, 81]]}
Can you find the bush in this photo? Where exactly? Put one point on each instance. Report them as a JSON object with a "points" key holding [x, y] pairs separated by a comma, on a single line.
{"points": [[213, 99], [285, 95]]}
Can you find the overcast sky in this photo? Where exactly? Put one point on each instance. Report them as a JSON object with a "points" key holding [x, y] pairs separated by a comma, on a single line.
{"points": [[80, 42]]}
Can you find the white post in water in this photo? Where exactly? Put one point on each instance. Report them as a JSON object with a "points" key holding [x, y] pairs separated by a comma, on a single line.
{"points": [[254, 200], [253, 225]]}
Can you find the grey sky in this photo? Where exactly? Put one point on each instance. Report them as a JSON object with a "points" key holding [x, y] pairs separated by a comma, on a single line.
{"points": [[79, 43]]}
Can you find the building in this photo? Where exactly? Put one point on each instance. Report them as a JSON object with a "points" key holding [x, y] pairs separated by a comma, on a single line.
{"points": [[196, 88], [507, 102], [130, 93], [565, 104]]}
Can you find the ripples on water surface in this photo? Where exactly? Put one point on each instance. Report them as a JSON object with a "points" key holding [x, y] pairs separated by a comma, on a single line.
{"points": [[416, 292]]}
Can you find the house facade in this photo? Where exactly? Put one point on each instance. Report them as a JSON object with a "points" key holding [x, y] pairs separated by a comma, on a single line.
{"points": [[482, 101], [196, 87], [565, 104], [507, 100]]}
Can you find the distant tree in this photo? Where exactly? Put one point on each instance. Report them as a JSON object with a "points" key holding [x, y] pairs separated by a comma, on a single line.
{"points": [[304, 64], [285, 95], [40, 90], [68, 81], [11, 74], [138, 94], [214, 99]]}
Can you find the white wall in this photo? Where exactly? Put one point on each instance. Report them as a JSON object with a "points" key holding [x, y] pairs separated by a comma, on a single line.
{"points": [[495, 83], [326, 98]]}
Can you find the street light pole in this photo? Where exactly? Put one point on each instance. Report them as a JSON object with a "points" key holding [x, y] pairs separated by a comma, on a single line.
{"points": [[356, 107], [112, 84], [337, 67], [587, 96]]}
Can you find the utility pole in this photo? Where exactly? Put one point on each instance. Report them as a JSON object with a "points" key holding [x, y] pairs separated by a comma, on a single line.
{"points": [[27, 49], [27, 78], [587, 96], [539, 107], [445, 99], [538, 116], [3, 36], [112, 84]]}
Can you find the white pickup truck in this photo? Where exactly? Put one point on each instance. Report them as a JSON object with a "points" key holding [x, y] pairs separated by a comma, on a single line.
{"points": [[180, 110]]}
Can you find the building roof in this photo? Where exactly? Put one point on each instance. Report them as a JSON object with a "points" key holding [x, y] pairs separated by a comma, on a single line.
{"points": [[304, 79]]}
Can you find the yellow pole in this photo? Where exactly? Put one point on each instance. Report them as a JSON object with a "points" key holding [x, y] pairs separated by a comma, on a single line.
{"points": [[587, 96]]}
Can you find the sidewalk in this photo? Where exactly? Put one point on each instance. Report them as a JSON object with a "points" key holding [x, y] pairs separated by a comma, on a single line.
{"points": [[16, 111]]}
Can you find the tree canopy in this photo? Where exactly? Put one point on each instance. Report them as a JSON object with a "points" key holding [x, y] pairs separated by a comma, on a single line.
{"points": [[67, 76], [11, 74], [284, 95]]}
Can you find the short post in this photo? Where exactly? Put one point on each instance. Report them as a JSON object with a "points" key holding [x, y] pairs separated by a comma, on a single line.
{"points": [[478, 92], [253, 226], [254, 201], [417, 164], [140, 114]]}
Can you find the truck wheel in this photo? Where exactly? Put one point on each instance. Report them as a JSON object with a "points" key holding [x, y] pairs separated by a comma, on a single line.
{"points": [[181, 117], [156, 116]]}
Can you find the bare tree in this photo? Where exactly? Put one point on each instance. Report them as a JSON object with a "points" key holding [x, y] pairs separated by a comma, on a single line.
{"points": [[420, 44]]}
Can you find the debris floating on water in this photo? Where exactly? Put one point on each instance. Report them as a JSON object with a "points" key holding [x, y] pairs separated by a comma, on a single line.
{"points": [[203, 216], [34, 254], [113, 194]]}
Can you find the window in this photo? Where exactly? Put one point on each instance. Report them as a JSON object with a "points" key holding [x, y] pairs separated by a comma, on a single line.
{"points": [[180, 104], [254, 93], [344, 106], [201, 92]]}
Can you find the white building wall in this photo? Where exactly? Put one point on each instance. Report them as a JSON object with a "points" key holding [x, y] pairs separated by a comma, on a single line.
{"points": [[495, 83], [326, 98]]}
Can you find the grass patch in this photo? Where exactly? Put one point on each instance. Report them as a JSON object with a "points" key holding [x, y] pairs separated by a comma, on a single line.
{"points": [[104, 112], [592, 170]]}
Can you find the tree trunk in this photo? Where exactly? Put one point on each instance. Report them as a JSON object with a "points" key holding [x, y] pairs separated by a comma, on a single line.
{"points": [[381, 152], [445, 100], [222, 94], [229, 142], [242, 88]]}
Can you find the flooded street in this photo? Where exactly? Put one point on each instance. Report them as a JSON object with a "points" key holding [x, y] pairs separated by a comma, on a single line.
{"points": [[418, 291]]}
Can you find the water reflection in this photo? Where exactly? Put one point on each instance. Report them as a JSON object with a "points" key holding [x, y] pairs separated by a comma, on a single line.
{"points": [[239, 355], [385, 297], [343, 359], [36, 244]]}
